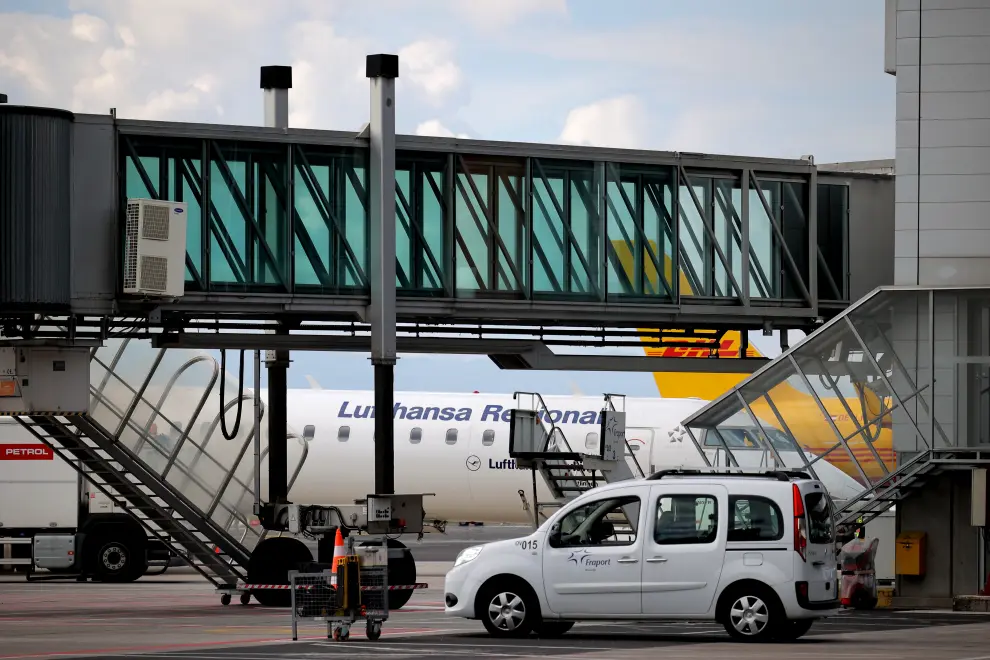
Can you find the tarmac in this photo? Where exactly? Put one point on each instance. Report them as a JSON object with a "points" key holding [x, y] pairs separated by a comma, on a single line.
{"points": [[179, 616]]}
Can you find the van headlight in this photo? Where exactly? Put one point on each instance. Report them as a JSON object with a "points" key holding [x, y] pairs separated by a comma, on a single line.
{"points": [[467, 555]]}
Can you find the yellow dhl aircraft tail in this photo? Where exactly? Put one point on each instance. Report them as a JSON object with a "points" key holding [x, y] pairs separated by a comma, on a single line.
{"points": [[798, 408]]}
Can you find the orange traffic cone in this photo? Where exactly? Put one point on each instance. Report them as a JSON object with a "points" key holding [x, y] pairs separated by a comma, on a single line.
{"points": [[338, 550]]}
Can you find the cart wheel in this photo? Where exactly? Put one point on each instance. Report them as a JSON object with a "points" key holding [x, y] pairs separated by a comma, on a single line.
{"points": [[225, 599], [336, 634], [245, 598], [374, 630]]}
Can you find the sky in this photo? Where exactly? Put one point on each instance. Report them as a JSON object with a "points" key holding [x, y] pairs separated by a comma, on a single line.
{"points": [[772, 78]]}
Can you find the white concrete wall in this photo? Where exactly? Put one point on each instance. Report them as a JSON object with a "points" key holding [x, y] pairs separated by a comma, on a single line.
{"points": [[941, 57]]}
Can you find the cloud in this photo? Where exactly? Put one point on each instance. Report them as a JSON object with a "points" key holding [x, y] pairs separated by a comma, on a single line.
{"points": [[435, 128], [499, 14], [329, 88], [429, 67], [617, 122], [147, 59]]}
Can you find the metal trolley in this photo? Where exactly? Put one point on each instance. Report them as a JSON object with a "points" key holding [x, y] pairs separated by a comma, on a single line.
{"points": [[357, 590]]}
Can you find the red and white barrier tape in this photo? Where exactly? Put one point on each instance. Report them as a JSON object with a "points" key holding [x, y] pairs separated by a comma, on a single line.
{"points": [[307, 587]]}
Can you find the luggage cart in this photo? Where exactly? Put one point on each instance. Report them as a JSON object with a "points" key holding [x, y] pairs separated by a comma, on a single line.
{"points": [[357, 590]]}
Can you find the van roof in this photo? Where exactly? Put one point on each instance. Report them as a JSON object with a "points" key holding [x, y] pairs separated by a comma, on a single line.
{"points": [[768, 477], [730, 473]]}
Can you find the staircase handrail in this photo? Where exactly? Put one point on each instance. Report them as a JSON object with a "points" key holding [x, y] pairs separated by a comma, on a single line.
{"points": [[884, 484], [554, 429]]}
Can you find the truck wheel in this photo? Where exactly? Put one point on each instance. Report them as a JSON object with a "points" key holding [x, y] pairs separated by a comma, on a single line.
{"points": [[401, 570], [115, 557], [270, 563]]}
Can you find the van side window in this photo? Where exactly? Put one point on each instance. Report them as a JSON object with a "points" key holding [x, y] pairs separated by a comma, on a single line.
{"points": [[488, 438], [683, 519], [608, 522], [754, 519]]}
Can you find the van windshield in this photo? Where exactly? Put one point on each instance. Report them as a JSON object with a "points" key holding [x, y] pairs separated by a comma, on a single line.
{"points": [[819, 518]]}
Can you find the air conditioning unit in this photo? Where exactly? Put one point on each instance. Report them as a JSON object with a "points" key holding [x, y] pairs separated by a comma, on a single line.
{"points": [[155, 248]]}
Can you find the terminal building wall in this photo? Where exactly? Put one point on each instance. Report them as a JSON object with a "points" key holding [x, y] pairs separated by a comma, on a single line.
{"points": [[939, 51]]}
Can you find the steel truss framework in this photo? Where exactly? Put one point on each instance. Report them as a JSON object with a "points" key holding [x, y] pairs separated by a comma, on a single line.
{"points": [[494, 232], [900, 361]]}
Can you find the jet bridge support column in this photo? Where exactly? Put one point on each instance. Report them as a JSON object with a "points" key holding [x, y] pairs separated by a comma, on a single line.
{"points": [[382, 70], [276, 82]]}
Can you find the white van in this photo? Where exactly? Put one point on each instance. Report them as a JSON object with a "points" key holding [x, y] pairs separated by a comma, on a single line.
{"points": [[753, 551]]}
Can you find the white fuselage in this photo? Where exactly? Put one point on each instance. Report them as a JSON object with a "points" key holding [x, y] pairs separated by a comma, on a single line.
{"points": [[457, 446]]}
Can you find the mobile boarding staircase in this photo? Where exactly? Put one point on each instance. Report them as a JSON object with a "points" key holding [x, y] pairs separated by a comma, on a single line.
{"points": [[187, 488], [536, 442]]}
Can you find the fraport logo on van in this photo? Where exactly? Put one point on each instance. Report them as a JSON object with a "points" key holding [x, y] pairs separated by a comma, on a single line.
{"points": [[584, 558]]}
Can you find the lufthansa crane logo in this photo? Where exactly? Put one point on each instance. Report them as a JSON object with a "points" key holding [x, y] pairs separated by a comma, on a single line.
{"points": [[473, 463]]}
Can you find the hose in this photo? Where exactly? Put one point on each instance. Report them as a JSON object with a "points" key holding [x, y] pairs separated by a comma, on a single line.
{"points": [[240, 396]]}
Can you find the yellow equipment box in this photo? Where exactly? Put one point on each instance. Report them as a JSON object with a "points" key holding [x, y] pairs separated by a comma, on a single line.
{"points": [[910, 553], [885, 595]]}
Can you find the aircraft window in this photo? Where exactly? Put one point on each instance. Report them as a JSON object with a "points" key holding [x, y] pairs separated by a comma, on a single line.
{"points": [[686, 519], [488, 438], [416, 435], [451, 438], [591, 441], [755, 519], [343, 433], [309, 432]]}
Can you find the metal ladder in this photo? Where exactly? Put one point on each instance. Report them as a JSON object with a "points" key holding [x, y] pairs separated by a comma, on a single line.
{"points": [[195, 495], [161, 510], [568, 477], [900, 484]]}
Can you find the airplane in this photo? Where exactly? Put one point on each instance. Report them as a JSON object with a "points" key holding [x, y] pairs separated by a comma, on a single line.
{"points": [[792, 399], [456, 446]]}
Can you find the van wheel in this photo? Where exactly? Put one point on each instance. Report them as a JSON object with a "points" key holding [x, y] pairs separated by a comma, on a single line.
{"points": [[507, 609], [793, 629], [553, 629], [751, 615]]}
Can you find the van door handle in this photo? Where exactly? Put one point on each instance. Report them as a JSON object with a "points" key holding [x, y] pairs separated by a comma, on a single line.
{"points": [[656, 560], [817, 563], [627, 560]]}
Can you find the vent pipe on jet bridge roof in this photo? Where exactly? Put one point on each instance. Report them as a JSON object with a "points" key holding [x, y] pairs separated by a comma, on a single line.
{"points": [[275, 84], [276, 81]]}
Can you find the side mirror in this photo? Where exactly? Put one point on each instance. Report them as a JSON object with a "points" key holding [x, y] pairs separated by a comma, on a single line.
{"points": [[553, 537]]}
